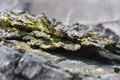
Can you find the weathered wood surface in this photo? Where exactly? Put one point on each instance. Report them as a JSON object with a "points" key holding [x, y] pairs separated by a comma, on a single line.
{"points": [[23, 63]]}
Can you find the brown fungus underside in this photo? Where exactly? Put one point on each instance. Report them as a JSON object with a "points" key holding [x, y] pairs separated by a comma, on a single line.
{"points": [[39, 32]]}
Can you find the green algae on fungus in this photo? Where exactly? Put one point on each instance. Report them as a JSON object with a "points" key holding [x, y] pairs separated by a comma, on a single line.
{"points": [[39, 32]]}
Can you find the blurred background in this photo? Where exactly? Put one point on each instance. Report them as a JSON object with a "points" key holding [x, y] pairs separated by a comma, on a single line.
{"points": [[69, 11]]}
